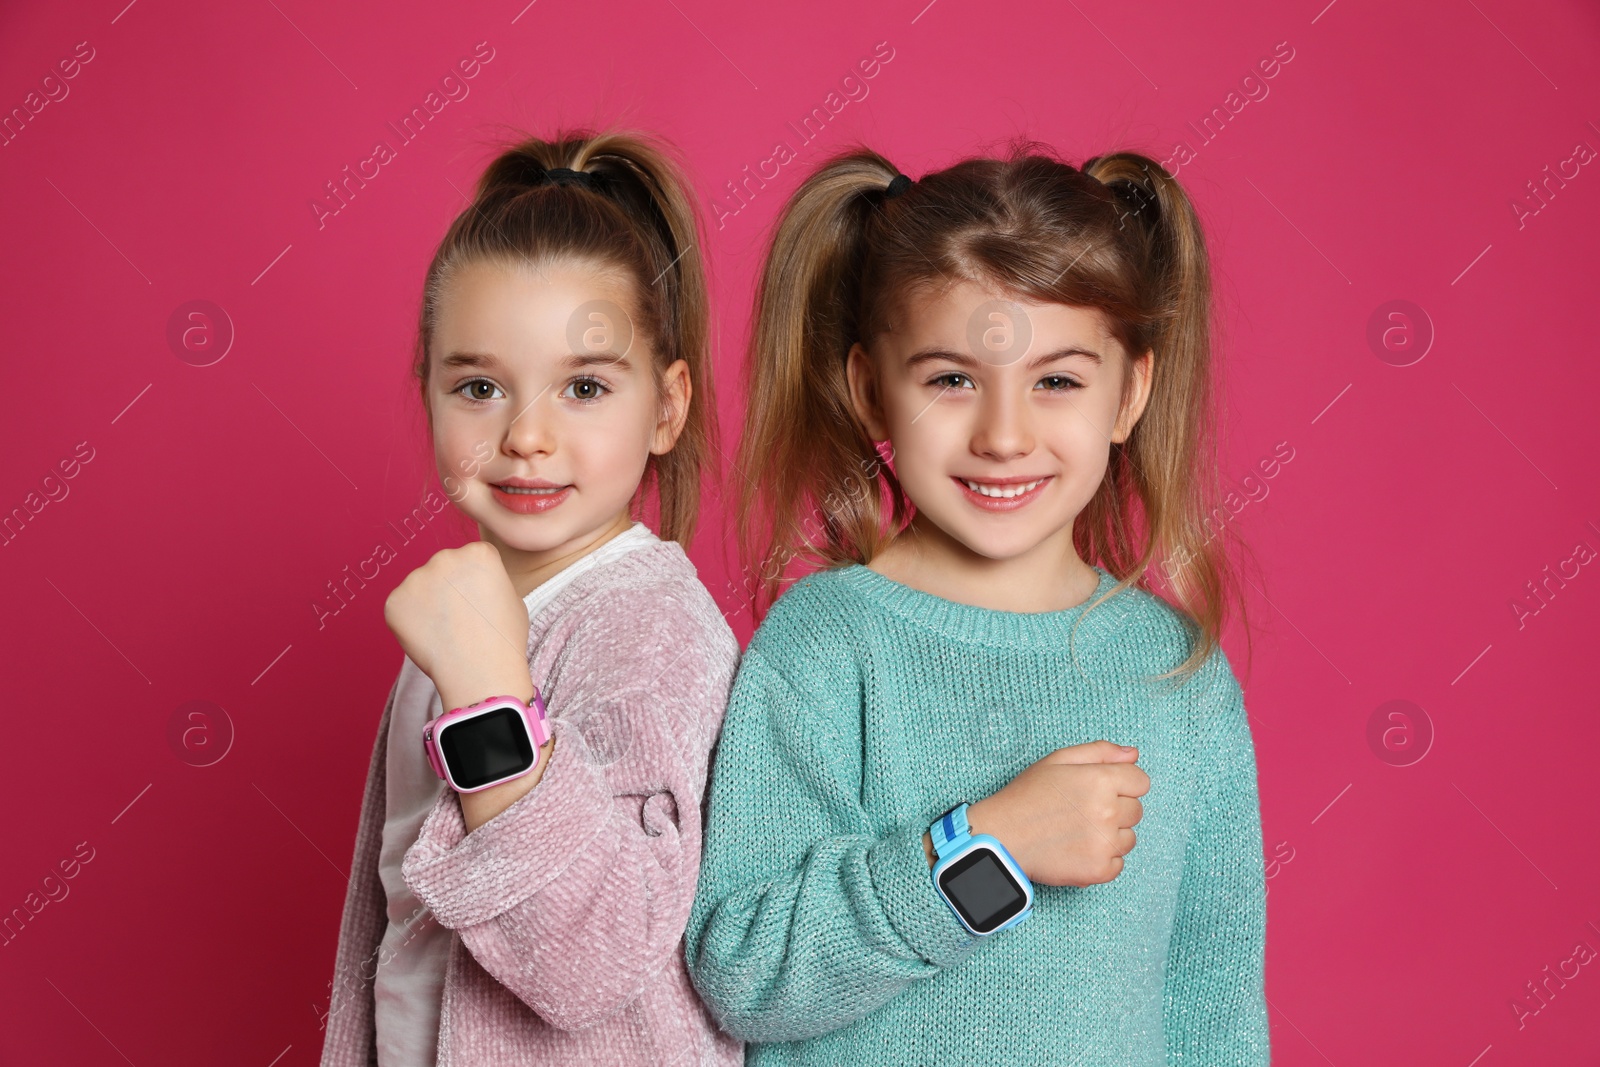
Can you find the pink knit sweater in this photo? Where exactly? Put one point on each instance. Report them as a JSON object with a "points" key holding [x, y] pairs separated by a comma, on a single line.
{"points": [[568, 908]]}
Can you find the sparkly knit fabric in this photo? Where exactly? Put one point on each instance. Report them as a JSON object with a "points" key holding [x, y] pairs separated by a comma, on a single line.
{"points": [[567, 909], [864, 709]]}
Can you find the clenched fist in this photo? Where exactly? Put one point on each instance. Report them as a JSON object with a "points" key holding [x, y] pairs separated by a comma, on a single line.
{"points": [[1068, 818], [461, 621]]}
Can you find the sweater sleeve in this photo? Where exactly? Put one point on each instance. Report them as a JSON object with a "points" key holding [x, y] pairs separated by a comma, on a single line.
{"points": [[348, 1039], [806, 919], [575, 896], [1214, 1007]]}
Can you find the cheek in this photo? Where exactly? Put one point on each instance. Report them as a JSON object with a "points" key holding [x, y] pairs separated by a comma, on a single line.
{"points": [[923, 437], [1080, 420], [1080, 441], [609, 455], [453, 441], [618, 439]]}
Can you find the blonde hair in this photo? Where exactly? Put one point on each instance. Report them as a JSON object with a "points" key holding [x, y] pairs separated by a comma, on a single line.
{"points": [[1118, 235], [634, 213]]}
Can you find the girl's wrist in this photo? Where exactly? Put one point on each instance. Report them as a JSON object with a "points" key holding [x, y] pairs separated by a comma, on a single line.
{"points": [[980, 820], [478, 808], [462, 688]]}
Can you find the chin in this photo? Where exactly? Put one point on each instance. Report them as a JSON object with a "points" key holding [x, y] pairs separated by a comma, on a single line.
{"points": [[525, 541], [524, 533], [989, 543], [990, 548]]}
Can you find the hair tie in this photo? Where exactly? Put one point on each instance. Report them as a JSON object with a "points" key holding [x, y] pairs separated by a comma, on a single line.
{"points": [[568, 176], [897, 185], [1136, 196]]}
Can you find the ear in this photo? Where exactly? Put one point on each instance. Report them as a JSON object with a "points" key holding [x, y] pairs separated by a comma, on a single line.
{"points": [[1135, 395], [676, 389], [865, 396]]}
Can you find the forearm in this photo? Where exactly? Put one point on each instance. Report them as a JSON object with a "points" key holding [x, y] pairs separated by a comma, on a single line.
{"points": [[575, 895], [825, 942], [585, 947], [469, 683]]}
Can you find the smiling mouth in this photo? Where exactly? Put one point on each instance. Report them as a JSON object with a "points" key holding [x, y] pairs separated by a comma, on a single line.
{"points": [[530, 492], [1002, 492]]}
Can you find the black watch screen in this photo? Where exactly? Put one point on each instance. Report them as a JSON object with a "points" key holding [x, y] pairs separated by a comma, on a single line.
{"points": [[982, 890], [486, 747]]}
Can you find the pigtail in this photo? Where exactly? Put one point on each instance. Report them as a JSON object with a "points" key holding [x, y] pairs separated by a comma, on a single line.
{"points": [[812, 488], [1169, 464]]}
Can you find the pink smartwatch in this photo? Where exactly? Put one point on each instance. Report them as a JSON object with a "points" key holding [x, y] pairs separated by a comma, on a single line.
{"points": [[486, 743]]}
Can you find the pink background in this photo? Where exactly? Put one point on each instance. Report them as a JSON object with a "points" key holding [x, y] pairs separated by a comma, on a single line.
{"points": [[1410, 905]]}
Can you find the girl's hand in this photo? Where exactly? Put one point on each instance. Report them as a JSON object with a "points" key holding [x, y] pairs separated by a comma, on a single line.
{"points": [[1067, 819], [460, 620]]}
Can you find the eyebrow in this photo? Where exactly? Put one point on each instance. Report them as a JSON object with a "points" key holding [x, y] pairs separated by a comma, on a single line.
{"points": [[485, 361], [934, 355]]}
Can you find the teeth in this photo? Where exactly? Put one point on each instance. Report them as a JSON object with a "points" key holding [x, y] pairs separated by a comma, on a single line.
{"points": [[532, 492], [1001, 492]]}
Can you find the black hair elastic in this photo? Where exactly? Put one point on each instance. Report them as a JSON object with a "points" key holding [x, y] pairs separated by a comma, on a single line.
{"points": [[1137, 197], [897, 185], [568, 176]]}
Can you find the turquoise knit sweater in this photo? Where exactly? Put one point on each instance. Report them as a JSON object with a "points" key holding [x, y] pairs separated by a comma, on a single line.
{"points": [[864, 709]]}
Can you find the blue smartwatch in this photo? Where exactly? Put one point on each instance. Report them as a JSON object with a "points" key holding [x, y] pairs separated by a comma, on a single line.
{"points": [[977, 877]]}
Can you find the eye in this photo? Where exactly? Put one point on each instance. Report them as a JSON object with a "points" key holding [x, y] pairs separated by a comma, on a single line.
{"points": [[953, 380], [585, 390], [1058, 383], [469, 390]]}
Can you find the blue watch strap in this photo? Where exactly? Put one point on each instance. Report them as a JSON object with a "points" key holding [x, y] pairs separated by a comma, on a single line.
{"points": [[951, 834], [950, 830]]}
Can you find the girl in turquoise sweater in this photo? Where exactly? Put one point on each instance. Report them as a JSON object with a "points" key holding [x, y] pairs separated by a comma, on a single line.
{"points": [[981, 401]]}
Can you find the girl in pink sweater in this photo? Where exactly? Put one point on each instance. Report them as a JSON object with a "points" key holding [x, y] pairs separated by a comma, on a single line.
{"points": [[562, 365]]}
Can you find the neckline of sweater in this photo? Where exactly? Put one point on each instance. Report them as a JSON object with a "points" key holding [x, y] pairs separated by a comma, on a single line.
{"points": [[968, 621], [648, 559]]}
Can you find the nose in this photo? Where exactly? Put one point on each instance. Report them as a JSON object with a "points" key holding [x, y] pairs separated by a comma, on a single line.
{"points": [[1004, 430], [530, 431]]}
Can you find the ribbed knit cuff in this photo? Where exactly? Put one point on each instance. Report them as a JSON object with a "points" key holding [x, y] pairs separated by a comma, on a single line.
{"points": [[904, 882], [471, 878]]}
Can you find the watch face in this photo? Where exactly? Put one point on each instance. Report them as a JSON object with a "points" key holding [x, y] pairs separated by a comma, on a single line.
{"points": [[486, 747], [982, 890]]}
